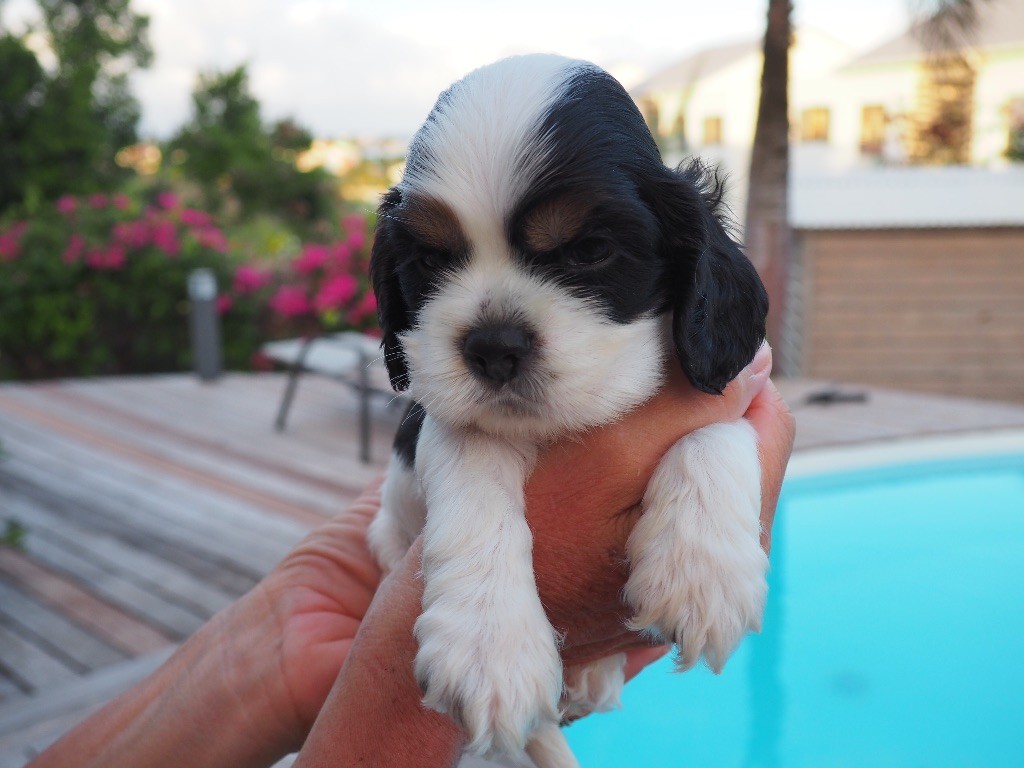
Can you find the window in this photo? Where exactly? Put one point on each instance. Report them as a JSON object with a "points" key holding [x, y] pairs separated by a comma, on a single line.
{"points": [[872, 129], [713, 130], [814, 123]]}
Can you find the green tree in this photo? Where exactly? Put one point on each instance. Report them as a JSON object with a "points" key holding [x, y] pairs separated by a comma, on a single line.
{"points": [[82, 112], [22, 90], [226, 148]]}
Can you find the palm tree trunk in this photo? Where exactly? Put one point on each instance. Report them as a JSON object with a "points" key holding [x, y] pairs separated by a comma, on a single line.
{"points": [[767, 232]]}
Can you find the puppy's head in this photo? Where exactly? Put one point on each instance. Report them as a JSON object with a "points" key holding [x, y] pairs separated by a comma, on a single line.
{"points": [[525, 263]]}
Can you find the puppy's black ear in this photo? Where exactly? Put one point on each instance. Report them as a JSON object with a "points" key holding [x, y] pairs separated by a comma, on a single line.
{"points": [[719, 305], [392, 313]]}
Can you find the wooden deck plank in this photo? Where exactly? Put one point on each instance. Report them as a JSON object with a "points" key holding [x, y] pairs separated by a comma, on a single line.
{"points": [[219, 525], [231, 434], [157, 609], [94, 516], [27, 664], [135, 564], [190, 454], [323, 413], [203, 477], [64, 639], [80, 694], [119, 629]]}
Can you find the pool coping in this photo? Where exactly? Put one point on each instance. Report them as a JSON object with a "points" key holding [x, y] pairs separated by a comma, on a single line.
{"points": [[809, 462]]}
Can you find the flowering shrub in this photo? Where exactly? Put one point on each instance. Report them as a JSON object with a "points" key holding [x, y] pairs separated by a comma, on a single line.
{"points": [[325, 287], [97, 285]]}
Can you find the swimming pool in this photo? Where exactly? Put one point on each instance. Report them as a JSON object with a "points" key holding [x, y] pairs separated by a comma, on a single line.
{"points": [[894, 636]]}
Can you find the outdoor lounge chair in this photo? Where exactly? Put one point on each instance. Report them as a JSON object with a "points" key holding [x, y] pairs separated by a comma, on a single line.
{"points": [[354, 359]]}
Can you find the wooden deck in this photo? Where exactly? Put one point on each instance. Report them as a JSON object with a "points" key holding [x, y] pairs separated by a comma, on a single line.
{"points": [[150, 503]]}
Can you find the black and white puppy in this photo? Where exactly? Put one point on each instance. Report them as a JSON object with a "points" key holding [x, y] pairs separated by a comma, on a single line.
{"points": [[536, 270]]}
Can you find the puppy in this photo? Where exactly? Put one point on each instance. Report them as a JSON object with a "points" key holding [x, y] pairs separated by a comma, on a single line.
{"points": [[536, 270]]}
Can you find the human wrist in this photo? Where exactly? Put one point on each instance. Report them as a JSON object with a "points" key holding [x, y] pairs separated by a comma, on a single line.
{"points": [[374, 716], [210, 701]]}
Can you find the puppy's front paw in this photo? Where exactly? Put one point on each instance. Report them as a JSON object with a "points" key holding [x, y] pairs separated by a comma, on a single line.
{"points": [[594, 687], [698, 573], [499, 683]]}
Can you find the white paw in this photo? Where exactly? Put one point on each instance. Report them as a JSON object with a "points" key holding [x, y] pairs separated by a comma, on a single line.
{"points": [[698, 573], [594, 687], [499, 680]]}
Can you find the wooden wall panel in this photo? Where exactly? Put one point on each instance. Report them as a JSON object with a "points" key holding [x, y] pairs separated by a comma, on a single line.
{"points": [[930, 310]]}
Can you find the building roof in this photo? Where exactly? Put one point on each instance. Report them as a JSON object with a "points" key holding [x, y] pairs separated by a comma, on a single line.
{"points": [[698, 65], [909, 198], [1000, 23]]}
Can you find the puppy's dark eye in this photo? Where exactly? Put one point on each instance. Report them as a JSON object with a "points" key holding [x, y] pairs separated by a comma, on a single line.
{"points": [[430, 259], [588, 253]]}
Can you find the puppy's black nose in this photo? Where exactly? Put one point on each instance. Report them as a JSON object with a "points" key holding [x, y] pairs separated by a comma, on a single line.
{"points": [[497, 352]]}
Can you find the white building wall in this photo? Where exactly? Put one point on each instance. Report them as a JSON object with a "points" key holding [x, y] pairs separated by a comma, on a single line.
{"points": [[1000, 79]]}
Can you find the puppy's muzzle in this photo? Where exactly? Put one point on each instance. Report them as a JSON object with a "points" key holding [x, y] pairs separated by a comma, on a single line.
{"points": [[497, 353]]}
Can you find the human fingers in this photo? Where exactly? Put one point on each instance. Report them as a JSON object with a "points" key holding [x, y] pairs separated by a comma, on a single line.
{"points": [[776, 431]]}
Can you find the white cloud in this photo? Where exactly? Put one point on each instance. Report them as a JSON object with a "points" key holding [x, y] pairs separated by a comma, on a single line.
{"points": [[347, 67]]}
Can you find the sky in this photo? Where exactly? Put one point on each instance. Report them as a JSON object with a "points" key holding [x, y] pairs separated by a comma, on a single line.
{"points": [[348, 68]]}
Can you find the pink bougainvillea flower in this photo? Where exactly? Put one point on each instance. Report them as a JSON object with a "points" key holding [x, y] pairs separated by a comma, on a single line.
{"points": [[364, 308], [110, 258], [73, 252], [224, 303], [10, 240], [165, 237], [121, 202], [167, 200], [249, 279], [66, 205], [342, 256], [335, 293], [9, 247], [114, 256], [313, 257], [290, 301], [134, 234], [190, 217], [212, 238], [95, 258], [98, 201], [356, 240]]}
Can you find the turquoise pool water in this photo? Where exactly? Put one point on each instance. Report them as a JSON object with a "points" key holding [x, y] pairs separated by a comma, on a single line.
{"points": [[894, 636]]}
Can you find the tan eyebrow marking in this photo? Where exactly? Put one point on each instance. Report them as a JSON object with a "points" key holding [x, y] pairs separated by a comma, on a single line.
{"points": [[554, 223], [434, 223]]}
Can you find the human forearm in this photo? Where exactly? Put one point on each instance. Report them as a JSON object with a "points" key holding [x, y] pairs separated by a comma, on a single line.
{"points": [[373, 715], [217, 701]]}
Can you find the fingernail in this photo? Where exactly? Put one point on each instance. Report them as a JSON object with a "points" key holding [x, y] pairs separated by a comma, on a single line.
{"points": [[763, 359], [760, 369]]}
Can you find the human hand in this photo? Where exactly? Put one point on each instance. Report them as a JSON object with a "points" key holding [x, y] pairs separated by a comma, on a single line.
{"points": [[582, 500], [584, 497], [317, 597]]}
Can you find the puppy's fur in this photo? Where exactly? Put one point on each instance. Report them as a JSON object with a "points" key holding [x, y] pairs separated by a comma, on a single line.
{"points": [[536, 270]]}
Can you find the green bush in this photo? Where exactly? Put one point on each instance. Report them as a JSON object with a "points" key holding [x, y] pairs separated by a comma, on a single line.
{"points": [[98, 285]]}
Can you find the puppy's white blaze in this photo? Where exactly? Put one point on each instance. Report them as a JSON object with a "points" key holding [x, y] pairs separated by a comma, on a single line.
{"points": [[487, 654], [586, 371], [697, 570], [482, 146]]}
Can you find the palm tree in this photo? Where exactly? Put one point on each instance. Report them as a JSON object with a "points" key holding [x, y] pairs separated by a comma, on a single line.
{"points": [[943, 27]]}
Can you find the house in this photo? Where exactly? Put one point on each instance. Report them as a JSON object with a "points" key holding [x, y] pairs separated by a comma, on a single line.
{"points": [[907, 209], [891, 105]]}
